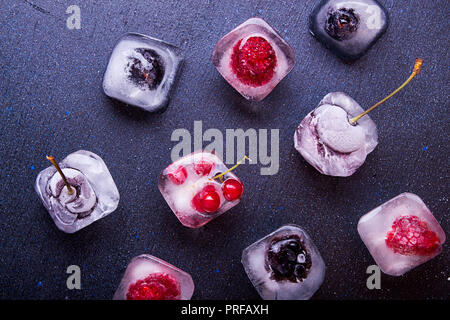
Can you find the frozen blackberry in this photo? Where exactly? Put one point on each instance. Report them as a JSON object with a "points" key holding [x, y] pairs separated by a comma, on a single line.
{"points": [[146, 68], [288, 259], [341, 24]]}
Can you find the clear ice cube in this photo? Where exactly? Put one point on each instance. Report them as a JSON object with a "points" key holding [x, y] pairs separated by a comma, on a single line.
{"points": [[253, 58], [284, 265], [150, 278], [327, 140], [95, 195], [401, 234], [142, 71], [192, 194], [348, 28]]}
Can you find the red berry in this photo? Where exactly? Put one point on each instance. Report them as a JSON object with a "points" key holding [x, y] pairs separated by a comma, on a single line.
{"points": [[179, 175], [254, 63], [207, 200], [203, 168], [411, 236], [157, 286], [232, 189]]}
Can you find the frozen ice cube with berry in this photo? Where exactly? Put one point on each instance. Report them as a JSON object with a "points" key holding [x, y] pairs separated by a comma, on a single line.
{"points": [[93, 194], [329, 142], [150, 278], [253, 58], [199, 187], [284, 265], [401, 234], [142, 71], [348, 28]]}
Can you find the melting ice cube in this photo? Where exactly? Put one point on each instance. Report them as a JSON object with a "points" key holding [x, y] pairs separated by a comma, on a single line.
{"points": [[150, 278], [327, 140], [401, 234], [142, 71], [95, 195], [284, 265], [192, 194], [348, 28], [253, 58]]}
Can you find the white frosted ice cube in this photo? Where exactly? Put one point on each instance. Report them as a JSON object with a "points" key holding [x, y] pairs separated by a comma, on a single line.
{"points": [[151, 88], [327, 140], [153, 273], [255, 259], [95, 195], [408, 224]]}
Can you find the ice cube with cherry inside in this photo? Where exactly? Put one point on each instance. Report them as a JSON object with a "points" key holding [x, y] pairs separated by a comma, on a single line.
{"points": [[78, 191], [199, 187], [150, 278], [401, 234], [142, 71], [348, 28], [284, 265], [253, 58]]}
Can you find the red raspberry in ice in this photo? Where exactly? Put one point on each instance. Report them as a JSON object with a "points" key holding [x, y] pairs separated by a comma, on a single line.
{"points": [[207, 200], [411, 236], [254, 62], [232, 189], [203, 168], [157, 286], [178, 176]]}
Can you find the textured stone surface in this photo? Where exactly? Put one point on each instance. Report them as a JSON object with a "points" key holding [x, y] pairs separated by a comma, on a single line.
{"points": [[52, 102]]}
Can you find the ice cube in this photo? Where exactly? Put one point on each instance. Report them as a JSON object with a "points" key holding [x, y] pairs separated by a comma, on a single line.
{"points": [[327, 140], [150, 278], [192, 194], [253, 58], [142, 71], [95, 195], [284, 265], [348, 28], [401, 234]]}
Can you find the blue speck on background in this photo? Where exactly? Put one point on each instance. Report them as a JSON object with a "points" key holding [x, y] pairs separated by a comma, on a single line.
{"points": [[425, 148], [39, 284], [32, 167], [67, 113], [217, 270]]}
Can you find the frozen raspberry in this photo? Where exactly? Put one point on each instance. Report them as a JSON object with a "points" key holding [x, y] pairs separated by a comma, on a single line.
{"points": [[178, 176], [254, 61], [157, 286], [411, 236]]}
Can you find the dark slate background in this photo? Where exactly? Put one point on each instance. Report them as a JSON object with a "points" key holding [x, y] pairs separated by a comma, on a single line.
{"points": [[52, 103]]}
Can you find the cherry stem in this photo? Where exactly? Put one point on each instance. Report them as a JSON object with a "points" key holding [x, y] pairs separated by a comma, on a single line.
{"points": [[231, 169], [415, 72], [52, 160]]}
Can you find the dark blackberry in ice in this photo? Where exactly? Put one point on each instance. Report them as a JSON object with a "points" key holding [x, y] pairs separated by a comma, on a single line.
{"points": [[146, 68], [348, 28], [288, 258], [342, 24]]}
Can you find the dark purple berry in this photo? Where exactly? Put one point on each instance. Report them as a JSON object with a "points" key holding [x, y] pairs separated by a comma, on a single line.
{"points": [[146, 68], [288, 259], [341, 24]]}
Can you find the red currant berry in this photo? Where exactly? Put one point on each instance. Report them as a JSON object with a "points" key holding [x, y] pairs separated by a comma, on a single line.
{"points": [[178, 176], [203, 168], [232, 189], [207, 200]]}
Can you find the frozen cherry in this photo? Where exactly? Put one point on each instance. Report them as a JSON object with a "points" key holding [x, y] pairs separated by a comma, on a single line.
{"points": [[411, 236], [203, 168], [288, 258], [253, 61], [178, 176], [146, 68], [156, 286], [232, 189], [207, 200], [341, 24]]}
